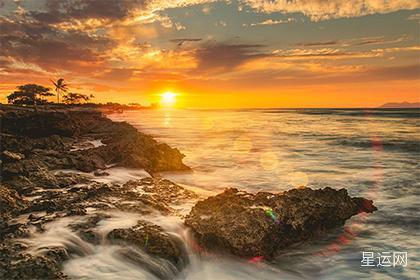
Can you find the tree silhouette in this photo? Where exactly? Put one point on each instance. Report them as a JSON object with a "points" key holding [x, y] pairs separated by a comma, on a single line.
{"points": [[60, 87], [76, 98], [29, 94]]}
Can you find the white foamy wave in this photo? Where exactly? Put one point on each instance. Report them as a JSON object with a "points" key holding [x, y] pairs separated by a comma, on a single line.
{"points": [[86, 145], [119, 175], [105, 263], [58, 235]]}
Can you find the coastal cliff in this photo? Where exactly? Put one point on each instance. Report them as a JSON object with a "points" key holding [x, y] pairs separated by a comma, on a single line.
{"points": [[54, 169]]}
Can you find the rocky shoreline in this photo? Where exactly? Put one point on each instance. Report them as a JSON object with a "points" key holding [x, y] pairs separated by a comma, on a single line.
{"points": [[53, 165]]}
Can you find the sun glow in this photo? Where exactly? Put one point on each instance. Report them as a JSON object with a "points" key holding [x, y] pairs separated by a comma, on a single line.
{"points": [[168, 99]]}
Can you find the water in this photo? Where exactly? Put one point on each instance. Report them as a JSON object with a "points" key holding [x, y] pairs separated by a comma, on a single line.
{"points": [[372, 153]]}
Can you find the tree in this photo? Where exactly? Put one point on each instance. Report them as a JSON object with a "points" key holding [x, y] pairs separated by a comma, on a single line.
{"points": [[76, 98], [29, 94], [60, 87]]}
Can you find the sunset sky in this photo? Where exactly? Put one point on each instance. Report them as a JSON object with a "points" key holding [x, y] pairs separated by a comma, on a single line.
{"points": [[250, 53]]}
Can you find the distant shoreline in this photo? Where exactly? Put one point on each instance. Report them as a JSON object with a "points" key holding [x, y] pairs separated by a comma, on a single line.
{"points": [[401, 105]]}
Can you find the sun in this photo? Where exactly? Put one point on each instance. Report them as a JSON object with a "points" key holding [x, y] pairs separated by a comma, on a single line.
{"points": [[168, 99]]}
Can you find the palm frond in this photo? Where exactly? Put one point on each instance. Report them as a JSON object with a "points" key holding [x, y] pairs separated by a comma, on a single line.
{"points": [[54, 83]]}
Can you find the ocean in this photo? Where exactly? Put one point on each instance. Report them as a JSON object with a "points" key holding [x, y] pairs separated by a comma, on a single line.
{"points": [[372, 153]]}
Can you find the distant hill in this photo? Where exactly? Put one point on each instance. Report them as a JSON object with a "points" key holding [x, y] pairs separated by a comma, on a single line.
{"points": [[401, 105]]}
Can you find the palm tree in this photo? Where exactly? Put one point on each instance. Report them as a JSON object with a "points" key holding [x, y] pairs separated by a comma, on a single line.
{"points": [[60, 87], [76, 98], [29, 94]]}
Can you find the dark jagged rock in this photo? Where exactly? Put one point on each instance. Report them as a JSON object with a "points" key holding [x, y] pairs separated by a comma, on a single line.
{"points": [[48, 136], [16, 264], [10, 156], [11, 203], [260, 224], [162, 190], [153, 240], [100, 173], [35, 150]]}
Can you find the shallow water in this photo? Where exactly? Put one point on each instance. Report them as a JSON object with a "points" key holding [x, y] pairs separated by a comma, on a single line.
{"points": [[372, 153]]}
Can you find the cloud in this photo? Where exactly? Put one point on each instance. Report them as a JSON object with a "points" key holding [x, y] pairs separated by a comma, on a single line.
{"points": [[44, 45], [60, 11], [312, 53], [370, 41], [272, 22], [311, 74], [221, 56], [318, 10], [338, 53], [317, 44], [414, 17], [122, 44], [119, 74], [180, 41], [48, 52], [406, 72], [353, 42], [376, 40]]}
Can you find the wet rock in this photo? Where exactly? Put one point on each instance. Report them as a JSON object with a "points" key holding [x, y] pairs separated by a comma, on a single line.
{"points": [[50, 136], [16, 264], [87, 162], [13, 230], [153, 240], [36, 145], [11, 203], [21, 184], [30, 267], [100, 173], [161, 190], [47, 205], [79, 211], [89, 222], [34, 169], [86, 227], [247, 225], [70, 179], [11, 156], [56, 254]]}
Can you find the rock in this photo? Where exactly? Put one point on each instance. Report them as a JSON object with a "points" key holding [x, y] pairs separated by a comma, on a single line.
{"points": [[87, 161], [161, 190], [56, 254], [37, 145], [15, 264], [153, 240], [13, 230], [100, 173], [21, 184], [11, 203], [11, 156], [248, 225], [50, 134]]}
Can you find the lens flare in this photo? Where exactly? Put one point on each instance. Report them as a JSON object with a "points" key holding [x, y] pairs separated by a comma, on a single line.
{"points": [[299, 180], [168, 99], [269, 161]]}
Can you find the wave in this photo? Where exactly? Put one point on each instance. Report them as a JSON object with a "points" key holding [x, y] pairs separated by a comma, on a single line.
{"points": [[408, 146], [371, 112]]}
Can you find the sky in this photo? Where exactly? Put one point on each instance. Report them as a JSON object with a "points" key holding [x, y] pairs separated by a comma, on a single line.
{"points": [[216, 54]]}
